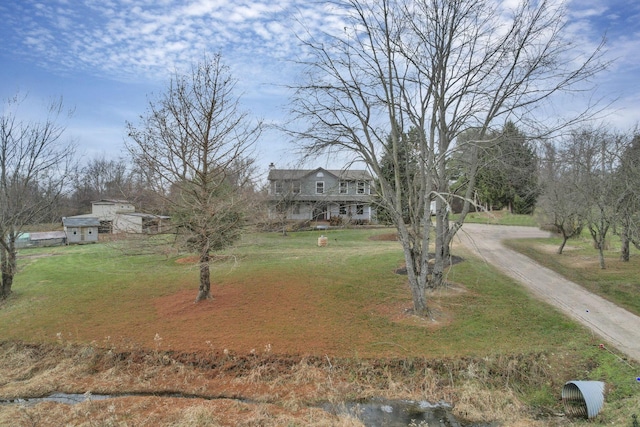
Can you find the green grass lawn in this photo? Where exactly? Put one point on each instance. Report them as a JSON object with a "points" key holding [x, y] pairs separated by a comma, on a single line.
{"points": [[344, 299], [619, 282], [84, 291]]}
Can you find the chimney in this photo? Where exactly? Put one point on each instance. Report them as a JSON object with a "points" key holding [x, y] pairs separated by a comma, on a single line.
{"points": [[272, 166]]}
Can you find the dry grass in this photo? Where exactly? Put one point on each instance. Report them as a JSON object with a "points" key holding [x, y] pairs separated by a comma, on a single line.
{"points": [[268, 390], [170, 412], [275, 391]]}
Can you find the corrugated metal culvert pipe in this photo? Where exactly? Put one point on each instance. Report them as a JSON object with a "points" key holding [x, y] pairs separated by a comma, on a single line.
{"points": [[583, 398]]}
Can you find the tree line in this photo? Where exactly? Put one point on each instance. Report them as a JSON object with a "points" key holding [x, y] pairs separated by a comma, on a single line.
{"points": [[590, 179]]}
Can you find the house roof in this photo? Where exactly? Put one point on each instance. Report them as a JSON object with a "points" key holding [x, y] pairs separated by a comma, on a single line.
{"points": [[145, 215], [47, 235], [294, 174], [111, 201], [81, 221]]}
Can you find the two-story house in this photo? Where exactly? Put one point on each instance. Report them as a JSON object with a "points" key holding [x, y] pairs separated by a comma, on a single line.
{"points": [[320, 194]]}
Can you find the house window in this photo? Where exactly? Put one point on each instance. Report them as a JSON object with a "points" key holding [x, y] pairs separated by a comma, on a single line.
{"points": [[344, 187], [296, 209], [278, 187], [295, 187], [361, 187], [343, 209], [319, 187], [359, 209]]}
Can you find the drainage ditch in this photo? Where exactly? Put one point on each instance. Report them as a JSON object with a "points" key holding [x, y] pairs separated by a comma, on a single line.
{"points": [[372, 413]]}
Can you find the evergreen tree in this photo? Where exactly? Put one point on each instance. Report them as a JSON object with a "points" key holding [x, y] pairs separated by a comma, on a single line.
{"points": [[407, 171], [508, 173]]}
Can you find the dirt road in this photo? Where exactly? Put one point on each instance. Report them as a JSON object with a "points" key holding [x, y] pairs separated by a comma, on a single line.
{"points": [[614, 324]]}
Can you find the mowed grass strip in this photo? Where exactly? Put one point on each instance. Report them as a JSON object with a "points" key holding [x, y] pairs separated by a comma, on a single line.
{"points": [[619, 282], [280, 293], [501, 217]]}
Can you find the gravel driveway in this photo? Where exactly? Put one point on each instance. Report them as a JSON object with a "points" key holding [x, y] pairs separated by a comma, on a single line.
{"points": [[614, 324]]}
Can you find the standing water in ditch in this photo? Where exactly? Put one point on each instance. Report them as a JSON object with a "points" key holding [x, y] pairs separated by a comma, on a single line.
{"points": [[372, 413], [400, 413]]}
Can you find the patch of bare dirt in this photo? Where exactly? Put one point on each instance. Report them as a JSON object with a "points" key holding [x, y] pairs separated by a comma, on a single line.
{"points": [[453, 260], [440, 315], [387, 237], [251, 316], [552, 249], [188, 260]]}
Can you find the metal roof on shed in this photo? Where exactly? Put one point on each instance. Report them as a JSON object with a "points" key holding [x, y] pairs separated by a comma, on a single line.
{"points": [[81, 222], [47, 235]]}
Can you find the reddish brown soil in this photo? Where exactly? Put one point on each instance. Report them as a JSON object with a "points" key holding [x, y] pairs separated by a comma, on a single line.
{"points": [[389, 237], [286, 319], [233, 320]]}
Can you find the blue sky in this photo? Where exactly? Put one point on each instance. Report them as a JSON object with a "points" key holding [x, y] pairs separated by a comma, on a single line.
{"points": [[105, 57]]}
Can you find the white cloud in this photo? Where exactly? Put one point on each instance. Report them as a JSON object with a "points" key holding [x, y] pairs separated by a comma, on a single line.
{"points": [[126, 39], [140, 40]]}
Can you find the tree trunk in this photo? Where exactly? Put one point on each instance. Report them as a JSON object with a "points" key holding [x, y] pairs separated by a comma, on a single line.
{"points": [[416, 260], [8, 266], [601, 254], [562, 245], [5, 288], [419, 300], [624, 241], [442, 251], [418, 285], [599, 236], [204, 291], [3, 257]]}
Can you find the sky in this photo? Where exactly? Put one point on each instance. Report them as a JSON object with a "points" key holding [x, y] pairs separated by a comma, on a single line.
{"points": [[107, 58]]}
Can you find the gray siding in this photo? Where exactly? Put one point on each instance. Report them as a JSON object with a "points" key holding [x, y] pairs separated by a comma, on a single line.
{"points": [[319, 194]]}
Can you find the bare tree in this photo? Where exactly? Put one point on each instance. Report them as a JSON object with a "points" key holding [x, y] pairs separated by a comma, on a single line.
{"points": [[562, 204], [101, 178], [286, 195], [594, 155], [438, 67], [33, 173], [627, 178], [194, 144]]}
